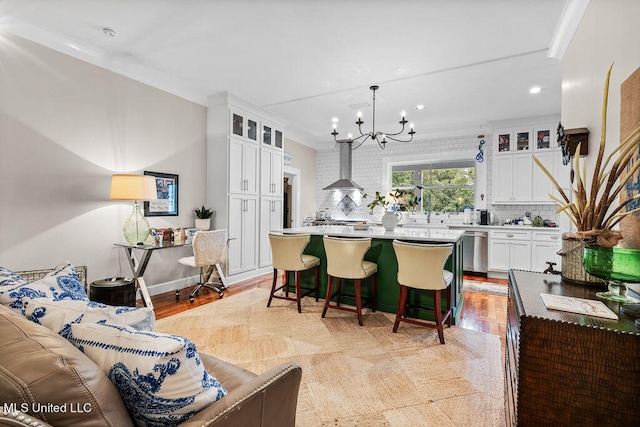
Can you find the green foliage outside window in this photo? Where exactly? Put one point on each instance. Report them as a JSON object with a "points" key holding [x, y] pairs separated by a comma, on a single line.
{"points": [[403, 179], [443, 190]]}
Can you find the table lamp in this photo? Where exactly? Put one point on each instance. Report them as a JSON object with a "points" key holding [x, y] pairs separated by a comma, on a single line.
{"points": [[134, 187]]}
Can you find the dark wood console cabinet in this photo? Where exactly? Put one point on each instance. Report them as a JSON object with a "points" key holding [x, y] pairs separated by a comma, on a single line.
{"points": [[565, 369]]}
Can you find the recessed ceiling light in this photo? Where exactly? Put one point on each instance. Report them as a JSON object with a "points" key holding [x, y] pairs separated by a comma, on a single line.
{"points": [[108, 32], [535, 89], [420, 107]]}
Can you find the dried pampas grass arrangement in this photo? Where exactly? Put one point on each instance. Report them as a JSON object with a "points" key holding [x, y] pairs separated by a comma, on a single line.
{"points": [[593, 211]]}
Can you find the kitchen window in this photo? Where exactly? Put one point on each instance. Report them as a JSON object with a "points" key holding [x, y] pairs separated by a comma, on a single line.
{"points": [[446, 186]]}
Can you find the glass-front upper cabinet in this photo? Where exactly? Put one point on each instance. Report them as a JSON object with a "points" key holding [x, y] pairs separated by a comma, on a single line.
{"points": [[520, 140], [503, 139], [545, 138], [266, 135], [237, 124], [271, 136], [523, 140], [244, 126], [252, 130]]}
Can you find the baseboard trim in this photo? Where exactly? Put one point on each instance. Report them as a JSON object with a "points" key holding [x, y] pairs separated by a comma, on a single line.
{"points": [[186, 282], [172, 285]]}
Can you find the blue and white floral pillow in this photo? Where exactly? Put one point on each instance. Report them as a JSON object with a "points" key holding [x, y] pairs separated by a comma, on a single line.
{"points": [[159, 376], [59, 315], [61, 284]]}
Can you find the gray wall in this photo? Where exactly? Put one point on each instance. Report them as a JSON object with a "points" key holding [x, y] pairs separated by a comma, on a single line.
{"points": [[65, 127]]}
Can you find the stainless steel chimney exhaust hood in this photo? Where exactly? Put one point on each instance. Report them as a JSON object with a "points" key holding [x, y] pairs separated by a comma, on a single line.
{"points": [[345, 182]]}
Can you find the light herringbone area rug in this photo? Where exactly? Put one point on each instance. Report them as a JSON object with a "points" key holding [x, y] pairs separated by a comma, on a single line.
{"points": [[352, 375]]}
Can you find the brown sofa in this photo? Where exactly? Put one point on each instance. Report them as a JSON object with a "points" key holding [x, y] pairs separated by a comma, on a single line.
{"points": [[39, 369]]}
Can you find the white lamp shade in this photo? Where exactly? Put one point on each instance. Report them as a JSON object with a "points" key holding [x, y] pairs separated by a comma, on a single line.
{"points": [[133, 187]]}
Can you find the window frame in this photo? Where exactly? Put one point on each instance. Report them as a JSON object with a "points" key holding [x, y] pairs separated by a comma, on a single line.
{"points": [[440, 161]]}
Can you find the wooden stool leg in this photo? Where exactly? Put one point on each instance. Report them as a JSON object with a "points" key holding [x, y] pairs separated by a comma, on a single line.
{"points": [[359, 300], [273, 286], [285, 281], [401, 307], [338, 291], [298, 291], [328, 298], [449, 305], [438, 312], [317, 279], [373, 293]]}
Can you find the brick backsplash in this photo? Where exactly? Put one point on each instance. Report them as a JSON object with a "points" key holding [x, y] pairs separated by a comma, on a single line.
{"points": [[366, 171]]}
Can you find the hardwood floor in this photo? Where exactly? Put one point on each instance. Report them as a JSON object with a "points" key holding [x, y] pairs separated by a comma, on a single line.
{"points": [[480, 312]]}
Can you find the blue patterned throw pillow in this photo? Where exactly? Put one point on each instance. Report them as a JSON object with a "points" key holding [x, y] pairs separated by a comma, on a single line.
{"points": [[159, 376], [61, 284], [59, 315]]}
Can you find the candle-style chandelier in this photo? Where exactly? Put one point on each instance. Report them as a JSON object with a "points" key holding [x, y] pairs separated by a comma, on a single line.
{"points": [[380, 137]]}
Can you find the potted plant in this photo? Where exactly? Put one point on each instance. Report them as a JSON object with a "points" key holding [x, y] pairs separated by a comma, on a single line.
{"points": [[203, 218], [593, 211], [400, 200]]}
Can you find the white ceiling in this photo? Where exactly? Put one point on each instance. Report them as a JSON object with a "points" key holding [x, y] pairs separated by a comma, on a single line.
{"points": [[468, 61]]}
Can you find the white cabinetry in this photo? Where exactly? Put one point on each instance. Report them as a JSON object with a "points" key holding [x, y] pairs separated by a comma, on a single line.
{"points": [[522, 184], [271, 175], [243, 215], [544, 247], [542, 185], [243, 166], [270, 219], [271, 136], [516, 177], [512, 178], [523, 249], [237, 133], [243, 125], [509, 249], [502, 178]]}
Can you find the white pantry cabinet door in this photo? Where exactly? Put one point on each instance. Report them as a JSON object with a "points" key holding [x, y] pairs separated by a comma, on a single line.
{"points": [[270, 219], [522, 185], [243, 216], [542, 185], [243, 167], [502, 178]]}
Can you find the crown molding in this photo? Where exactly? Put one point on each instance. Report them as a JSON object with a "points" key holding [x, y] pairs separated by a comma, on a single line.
{"points": [[568, 24]]}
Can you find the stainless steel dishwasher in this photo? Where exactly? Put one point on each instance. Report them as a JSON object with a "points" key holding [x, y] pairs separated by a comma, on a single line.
{"points": [[474, 251]]}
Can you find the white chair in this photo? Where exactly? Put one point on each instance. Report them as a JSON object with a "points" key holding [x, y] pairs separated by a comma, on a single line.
{"points": [[421, 267], [209, 251]]}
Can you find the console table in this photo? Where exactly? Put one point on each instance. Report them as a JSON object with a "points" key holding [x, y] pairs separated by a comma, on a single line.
{"points": [[565, 369], [138, 267]]}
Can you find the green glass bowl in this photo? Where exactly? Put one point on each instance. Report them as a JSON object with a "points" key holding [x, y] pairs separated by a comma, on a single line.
{"points": [[612, 263]]}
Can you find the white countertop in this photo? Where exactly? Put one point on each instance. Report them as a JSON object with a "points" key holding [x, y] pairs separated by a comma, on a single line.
{"points": [[478, 227], [377, 232]]}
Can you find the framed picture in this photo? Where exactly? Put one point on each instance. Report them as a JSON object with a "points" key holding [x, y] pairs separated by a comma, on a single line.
{"points": [[167, 203]]}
